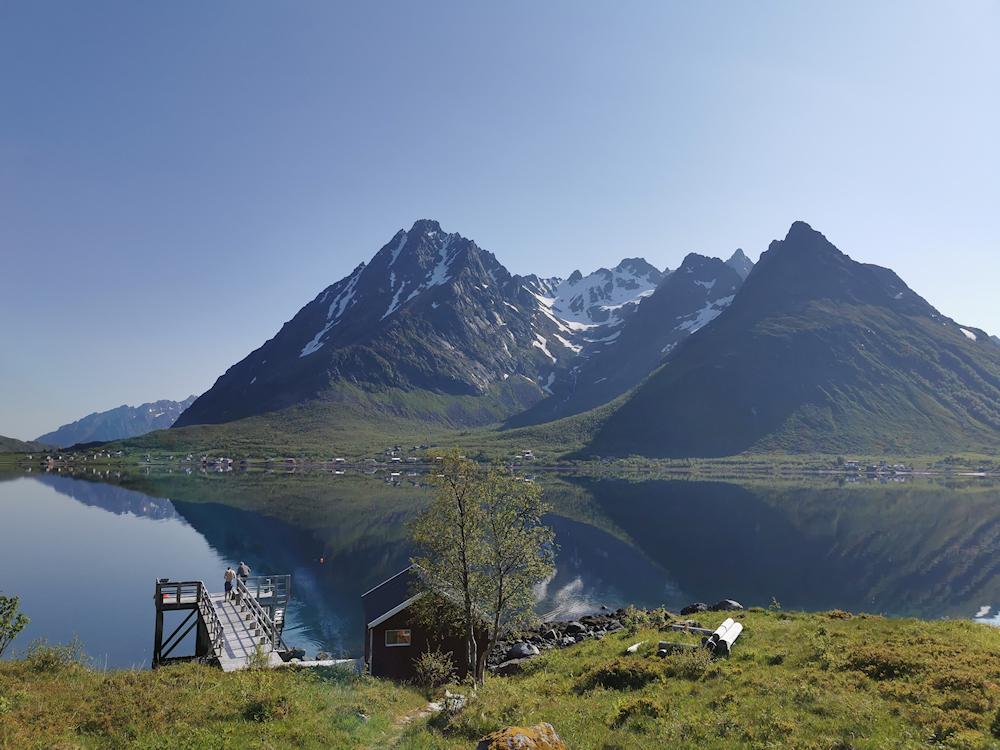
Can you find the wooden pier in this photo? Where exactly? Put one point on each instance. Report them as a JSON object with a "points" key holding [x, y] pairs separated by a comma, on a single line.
{"points": [[230, 629]]}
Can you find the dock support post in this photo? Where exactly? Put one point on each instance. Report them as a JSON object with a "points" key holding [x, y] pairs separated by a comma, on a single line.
{"points": [[158, 638]]}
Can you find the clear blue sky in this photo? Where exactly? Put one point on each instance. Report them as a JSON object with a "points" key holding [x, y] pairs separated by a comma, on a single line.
{"points": [[177, 179]]}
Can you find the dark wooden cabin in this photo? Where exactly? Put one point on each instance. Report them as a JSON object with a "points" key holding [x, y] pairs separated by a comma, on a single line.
{"points": [[393, 637]]}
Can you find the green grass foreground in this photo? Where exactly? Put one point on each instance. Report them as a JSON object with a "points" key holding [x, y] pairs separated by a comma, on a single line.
{"points": [[826, 681]]}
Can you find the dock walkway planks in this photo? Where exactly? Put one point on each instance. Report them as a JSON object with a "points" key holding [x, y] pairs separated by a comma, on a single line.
{"points": [[241, 635]]}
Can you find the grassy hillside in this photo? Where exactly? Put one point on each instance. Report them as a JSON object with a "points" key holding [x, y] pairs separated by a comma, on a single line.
{"points": [[819, 681], [49, 701], [359, 423], [13, 445]]}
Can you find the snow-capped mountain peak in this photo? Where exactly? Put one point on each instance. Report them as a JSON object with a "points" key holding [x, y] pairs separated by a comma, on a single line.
{"points": [[601, 297]]}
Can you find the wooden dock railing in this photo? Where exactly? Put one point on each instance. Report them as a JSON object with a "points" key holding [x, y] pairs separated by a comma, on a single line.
{"points": [[264, 619], [257, 606]]}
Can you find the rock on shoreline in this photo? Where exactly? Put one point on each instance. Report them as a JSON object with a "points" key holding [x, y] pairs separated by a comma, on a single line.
{"points": [[513, 651]]}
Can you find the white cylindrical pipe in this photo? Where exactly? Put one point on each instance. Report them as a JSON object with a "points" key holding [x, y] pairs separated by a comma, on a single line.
{"points": [[728, 638], [720, 631]]}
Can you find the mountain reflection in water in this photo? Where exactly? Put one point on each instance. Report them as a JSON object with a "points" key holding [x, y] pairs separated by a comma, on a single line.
{"points": [[921, 548]]}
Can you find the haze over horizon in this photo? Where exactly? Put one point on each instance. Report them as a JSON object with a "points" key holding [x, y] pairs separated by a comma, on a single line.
{"points": [[177, 181]]}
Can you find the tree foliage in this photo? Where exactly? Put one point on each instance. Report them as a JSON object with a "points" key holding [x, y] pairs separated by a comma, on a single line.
{"points": [[482, 545], [12, 620]]}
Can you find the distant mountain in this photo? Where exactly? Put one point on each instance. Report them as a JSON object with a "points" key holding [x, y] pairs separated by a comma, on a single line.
{"points": [[115, 424], [13, 445], [817, 352], [740, 263], [685, 301]]}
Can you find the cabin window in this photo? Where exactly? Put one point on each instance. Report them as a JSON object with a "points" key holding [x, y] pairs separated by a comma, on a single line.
{"points": [[397, 637]]}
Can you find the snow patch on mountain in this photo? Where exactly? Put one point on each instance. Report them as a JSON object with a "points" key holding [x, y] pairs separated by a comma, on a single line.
{"points": [[334, 313], [440, 274], [542, 343], [706, 315], [399, 248], [968, 334], [595, 299]]}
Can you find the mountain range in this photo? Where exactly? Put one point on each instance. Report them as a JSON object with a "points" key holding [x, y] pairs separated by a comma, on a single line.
{"points": [[121, 422], [434, 312], [806, 351]]}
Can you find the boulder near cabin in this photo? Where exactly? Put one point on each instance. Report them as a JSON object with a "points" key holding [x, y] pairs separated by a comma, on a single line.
{"points": [[394, 637]]}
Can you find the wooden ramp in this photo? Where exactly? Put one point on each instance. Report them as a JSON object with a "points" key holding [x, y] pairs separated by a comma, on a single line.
{"points": [[241, 635], [229, 629]]}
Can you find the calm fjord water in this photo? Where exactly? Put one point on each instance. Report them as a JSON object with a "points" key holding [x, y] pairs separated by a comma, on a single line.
{"points": [[83, 555]]}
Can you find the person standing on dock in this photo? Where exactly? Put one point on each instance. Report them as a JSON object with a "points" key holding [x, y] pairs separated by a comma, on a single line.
{"points": [[243, 571], [230, 577]]}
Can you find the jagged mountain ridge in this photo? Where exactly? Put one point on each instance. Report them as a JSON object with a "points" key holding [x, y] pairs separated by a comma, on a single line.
{"points": [[602, 298], [684, 302], [121, 422], [817, 352], [432, 311]]}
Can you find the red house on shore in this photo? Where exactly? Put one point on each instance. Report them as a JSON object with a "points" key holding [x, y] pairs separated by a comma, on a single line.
{"points": [[393, 636]]}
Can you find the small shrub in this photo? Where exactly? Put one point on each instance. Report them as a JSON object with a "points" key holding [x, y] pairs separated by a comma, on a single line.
{"points": [[267, 708], [689, 665], [468, 725], [643, 707], [259, 659], [884, 662], [45, 657], [660, 618], [12, 620], [622, 674], [775, 659], [635, 619], [839, 614], [995, 726], [434, 668], [955, 681]]}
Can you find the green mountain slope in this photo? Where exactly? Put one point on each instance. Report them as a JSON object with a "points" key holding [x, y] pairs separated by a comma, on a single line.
{"points": [[817, 353], [13, 445]]}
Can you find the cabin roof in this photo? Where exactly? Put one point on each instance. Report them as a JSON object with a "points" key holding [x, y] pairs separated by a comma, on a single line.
{"points": [[391, 596]]}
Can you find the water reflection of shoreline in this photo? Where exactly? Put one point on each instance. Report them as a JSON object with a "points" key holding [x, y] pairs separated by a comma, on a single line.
{"points": [[110, 497]]}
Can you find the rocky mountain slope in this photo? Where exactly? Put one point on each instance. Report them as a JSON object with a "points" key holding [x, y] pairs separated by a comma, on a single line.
{"points": [[740, 263], [817, 352], [432, 312], [122, 422], [683, 303]]}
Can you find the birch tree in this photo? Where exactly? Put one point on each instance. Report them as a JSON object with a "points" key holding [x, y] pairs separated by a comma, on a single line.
{"points": [[482, 545]]}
